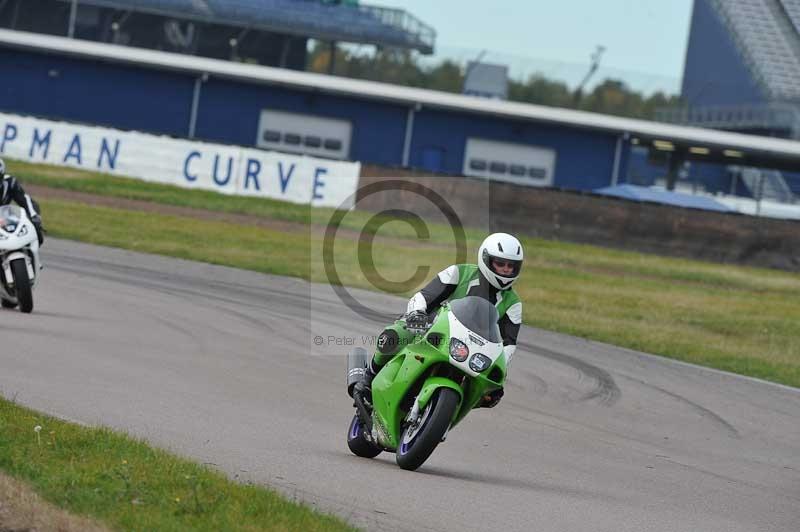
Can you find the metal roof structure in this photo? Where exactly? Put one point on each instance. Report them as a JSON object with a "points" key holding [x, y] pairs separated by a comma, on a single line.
{"points": [[666, 197], [698, 143]]}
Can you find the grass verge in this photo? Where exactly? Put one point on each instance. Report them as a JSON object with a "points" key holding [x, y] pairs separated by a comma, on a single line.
{"points": [[125, 484]]}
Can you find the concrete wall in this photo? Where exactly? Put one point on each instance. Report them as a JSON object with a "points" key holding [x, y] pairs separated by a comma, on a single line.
{"points": [[587, 218]]}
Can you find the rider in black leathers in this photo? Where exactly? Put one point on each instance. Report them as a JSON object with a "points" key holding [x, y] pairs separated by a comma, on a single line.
{"points": [[11, 190]]}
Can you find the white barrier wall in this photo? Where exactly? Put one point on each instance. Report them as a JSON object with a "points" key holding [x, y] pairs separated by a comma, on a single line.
{"points": [[189, 164]]}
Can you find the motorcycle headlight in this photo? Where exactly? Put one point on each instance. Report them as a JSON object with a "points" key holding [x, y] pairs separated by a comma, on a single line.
{"points": [[479, 362], [458, 350], [9, 227]]}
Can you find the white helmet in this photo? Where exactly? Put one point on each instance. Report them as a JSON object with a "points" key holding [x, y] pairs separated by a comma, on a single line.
{"points": [[506, 250]]}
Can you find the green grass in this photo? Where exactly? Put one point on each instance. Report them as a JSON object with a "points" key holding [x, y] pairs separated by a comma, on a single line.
{"points": [[128, 485], [134, 189], [105, 185]]}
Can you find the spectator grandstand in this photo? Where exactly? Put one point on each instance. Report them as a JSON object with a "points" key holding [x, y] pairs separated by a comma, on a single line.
{"points": [[742, 74], [742, 68], [268, 32]]}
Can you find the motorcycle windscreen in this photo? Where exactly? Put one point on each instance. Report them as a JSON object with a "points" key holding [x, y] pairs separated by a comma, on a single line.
{"points": [[10, 214], [479, 316]]}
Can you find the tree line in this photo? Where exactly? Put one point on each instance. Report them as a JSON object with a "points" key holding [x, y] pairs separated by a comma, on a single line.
{"points": [[611, 96]]}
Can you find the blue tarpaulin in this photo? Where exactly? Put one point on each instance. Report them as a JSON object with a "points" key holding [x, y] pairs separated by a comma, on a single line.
{"points": [[656, 195]]}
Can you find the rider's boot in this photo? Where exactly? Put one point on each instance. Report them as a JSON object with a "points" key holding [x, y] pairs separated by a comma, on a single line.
{"points": [[364, 386]]}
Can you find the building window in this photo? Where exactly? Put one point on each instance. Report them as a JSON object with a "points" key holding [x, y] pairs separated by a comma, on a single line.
{"points": [[517, 170], [497, 167], [537, 173], [271, 135], [291, 138], [333, 144], [478, 164]]}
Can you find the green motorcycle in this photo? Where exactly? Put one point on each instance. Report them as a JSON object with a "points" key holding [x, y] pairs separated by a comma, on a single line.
{"points": [[438, 373]]}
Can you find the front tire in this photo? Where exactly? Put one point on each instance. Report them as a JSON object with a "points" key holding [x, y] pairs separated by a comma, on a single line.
{"points": [[7, 303], [358, 443], [418, 442], [22, 285]]}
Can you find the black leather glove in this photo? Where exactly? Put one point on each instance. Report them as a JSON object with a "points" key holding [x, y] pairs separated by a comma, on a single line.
{"points": [[416, 320], [491, 399]]}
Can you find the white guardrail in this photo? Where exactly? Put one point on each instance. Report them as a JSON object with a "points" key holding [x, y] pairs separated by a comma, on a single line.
{"points": [[184, 163]]}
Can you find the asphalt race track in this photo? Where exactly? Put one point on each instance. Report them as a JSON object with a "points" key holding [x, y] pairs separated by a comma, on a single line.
{"points": [[220, 365]]}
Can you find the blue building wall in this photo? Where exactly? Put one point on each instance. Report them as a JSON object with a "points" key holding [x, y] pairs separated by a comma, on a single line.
{"points": [[230, 110], [644, 171], [125, 97], [640, 171], [584, 159], [715, 73]]}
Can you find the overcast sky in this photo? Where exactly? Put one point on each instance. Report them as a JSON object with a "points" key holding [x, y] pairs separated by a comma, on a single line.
{"points": [[645, 40]]}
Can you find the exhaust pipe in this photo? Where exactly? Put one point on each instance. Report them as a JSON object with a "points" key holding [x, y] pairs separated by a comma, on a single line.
{"points": [[357, 360]]}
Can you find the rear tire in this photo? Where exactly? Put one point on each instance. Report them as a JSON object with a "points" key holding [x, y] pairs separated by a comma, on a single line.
{"points": [[22, 285], [358, 443], [7, 304], [412, 454]]}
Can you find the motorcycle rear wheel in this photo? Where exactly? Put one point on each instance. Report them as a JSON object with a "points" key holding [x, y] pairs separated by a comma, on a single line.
{"points": [[417, 443]]}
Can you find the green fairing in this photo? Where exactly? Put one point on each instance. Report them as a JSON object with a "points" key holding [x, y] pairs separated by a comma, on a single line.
{"points": [[397, 383], [405, 338]]}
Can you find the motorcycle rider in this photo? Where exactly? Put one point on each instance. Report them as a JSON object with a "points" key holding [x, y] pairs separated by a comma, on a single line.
{"points": [[13, 191], [499, 264]]}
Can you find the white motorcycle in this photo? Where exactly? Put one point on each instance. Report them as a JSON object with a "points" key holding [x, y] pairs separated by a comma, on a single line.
{"points": [[19, 258]]}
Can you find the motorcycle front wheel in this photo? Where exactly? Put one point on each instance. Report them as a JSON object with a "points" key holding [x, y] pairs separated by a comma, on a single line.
{"points": [[418, 440], [22, 285]]}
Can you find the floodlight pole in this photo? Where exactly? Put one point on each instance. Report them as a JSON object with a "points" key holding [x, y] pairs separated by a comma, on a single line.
{"points": [[73, 14], [595, 57]]}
